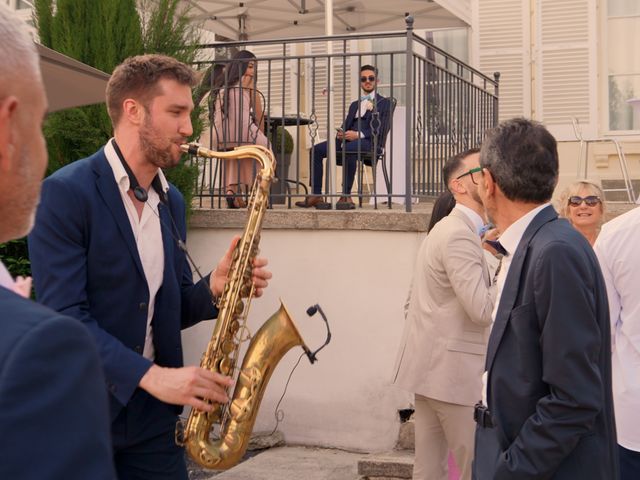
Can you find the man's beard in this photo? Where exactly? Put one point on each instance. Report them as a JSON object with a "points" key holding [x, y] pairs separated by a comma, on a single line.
{"points": [[476, 196], [156, 149]]}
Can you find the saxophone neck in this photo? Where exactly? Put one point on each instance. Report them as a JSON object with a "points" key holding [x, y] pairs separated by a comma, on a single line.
{"points": [[262, 155]]}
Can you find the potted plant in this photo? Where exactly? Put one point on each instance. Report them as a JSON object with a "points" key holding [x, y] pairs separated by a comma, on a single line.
{"points": [[282, 146]]}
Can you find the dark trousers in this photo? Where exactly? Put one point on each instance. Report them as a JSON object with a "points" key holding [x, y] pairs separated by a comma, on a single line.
{"points": [[351, 150], [629, 464], [144, 446]]}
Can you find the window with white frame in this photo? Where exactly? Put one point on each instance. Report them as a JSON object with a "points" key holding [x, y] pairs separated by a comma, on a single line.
{"points": [[454, 41], [623, 64]]}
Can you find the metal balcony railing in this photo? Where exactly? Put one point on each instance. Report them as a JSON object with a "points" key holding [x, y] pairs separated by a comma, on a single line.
{"points": [[443, 106]]}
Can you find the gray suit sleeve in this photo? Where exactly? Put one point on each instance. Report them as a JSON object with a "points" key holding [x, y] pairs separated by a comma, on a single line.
{"points": [[468, 274]]}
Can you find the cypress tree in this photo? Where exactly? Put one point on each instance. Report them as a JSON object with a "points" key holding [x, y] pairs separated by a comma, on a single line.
{"points": [[102, 34]]}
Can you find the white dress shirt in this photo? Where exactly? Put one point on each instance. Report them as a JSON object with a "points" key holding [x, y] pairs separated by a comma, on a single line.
{"points": [[509, 239], [148, 236], [363, 104], [617, 251], [6, 280]]}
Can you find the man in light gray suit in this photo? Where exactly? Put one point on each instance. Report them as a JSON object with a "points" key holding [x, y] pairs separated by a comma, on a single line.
{"points": [[446, 333]]}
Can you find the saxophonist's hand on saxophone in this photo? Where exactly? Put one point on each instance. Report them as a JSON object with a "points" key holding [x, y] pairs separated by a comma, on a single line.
{"points": [[192, 385], [186, 386], [260, 275]]}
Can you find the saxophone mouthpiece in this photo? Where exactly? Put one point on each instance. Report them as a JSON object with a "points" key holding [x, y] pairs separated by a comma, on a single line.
{"points": [[190, 148]]}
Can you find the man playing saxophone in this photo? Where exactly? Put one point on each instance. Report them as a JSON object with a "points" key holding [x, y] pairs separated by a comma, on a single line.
{"points": [[108, 249]]}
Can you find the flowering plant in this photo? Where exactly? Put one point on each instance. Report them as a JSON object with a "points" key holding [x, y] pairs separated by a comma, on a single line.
{"points": [[368, 105]]}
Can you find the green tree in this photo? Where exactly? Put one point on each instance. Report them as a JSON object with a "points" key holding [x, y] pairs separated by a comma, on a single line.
{"points": [[102, 34]]}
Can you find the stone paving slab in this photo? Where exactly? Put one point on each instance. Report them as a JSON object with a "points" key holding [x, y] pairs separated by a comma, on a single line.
{"points": [[397, 464], [289, 463]]}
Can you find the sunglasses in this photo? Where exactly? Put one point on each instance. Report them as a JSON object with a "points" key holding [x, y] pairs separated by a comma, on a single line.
{"points": [[591, 200], [470, 172], [370, 78]]}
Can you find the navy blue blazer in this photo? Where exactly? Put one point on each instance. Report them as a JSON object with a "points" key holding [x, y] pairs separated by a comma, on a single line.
{"points": [[365, 125], [53, 403], [85, 264], [549, 364]]}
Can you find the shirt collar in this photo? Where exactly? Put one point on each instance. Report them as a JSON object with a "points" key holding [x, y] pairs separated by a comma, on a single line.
{"points": [[6, 280], [120, 174], [370, 95], [510, 238], [476, 219]]}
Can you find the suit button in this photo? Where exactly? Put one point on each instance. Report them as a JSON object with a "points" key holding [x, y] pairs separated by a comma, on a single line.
{"points": [[138, 349], [142, 306], [112, 388]]}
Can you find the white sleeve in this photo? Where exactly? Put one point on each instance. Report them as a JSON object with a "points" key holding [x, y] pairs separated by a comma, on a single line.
{"points": [[612, 293]]}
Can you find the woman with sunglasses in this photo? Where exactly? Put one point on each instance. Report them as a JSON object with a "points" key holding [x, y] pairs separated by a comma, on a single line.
{"points": [[582, 203]]}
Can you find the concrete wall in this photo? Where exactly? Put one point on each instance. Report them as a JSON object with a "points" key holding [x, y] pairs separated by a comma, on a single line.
{"points": [[360, 278]]}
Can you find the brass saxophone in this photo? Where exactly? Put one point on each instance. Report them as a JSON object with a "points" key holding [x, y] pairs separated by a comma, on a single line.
{"points": [[275, 338]]}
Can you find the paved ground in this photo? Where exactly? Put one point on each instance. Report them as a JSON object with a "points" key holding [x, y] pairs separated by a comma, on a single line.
{"points": [[289, 463]]}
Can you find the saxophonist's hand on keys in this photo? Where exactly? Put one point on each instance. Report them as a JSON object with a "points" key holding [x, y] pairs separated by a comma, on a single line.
{"points": [[261, 275], [186, 386]]}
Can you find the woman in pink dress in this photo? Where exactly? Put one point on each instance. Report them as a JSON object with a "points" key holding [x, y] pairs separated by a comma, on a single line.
{"points": [[238, 120]]}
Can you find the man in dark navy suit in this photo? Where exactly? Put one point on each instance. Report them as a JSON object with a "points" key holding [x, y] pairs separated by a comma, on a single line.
{"points": [[547, 411], [53, 404], [366, 120], [108, 250]]}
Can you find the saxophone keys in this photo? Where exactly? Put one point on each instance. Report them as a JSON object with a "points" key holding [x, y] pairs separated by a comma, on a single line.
{"points": [[228, 346], [245, 290], [179, 434], [239, 307], [225, 366], [240, 409]]}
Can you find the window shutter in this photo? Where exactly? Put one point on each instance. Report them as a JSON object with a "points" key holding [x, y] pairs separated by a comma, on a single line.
{"points": [[317, 85], [282, 79], [566, 66], [501, 41]]}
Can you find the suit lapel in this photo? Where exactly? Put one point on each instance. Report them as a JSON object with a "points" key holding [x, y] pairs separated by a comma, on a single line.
{"points": [[110, 194], [512, 282]]}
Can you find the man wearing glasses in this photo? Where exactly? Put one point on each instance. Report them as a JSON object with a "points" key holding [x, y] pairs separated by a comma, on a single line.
{"points": [[547, 409], [448, 317], [367, 118]]}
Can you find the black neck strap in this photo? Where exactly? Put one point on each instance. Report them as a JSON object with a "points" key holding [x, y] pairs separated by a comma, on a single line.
{"points": [[139, 192]]}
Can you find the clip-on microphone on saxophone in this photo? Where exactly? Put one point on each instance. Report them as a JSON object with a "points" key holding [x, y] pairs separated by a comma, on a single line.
{"points": [[311, 311]]}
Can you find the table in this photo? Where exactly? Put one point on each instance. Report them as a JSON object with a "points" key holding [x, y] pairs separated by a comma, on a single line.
{"points": [[287, 120], [283, 159]]}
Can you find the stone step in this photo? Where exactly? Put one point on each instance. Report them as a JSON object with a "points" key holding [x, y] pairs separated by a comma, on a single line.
{"points": [[406, 435], [395, 465]]}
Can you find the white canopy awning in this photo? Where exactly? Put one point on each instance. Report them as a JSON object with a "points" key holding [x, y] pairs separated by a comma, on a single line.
{"points": [[68, 82], [267, 19]]}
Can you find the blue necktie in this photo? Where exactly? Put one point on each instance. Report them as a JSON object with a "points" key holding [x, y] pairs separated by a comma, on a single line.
{"points": [[497, 246], [365, 97]]}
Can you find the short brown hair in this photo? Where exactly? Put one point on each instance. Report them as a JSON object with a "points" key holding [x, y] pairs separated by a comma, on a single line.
{"points": [[137, 77]]}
